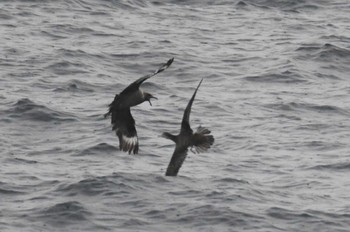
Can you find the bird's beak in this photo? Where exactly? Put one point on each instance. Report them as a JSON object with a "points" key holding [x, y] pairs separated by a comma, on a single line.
{"points": [[149, 100]]}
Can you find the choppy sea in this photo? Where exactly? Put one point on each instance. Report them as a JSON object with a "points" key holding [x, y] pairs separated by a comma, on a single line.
{"points": [[276, 96]]}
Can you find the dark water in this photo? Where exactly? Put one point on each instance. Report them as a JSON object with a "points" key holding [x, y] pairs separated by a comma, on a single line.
{"points": [[275, 95]]}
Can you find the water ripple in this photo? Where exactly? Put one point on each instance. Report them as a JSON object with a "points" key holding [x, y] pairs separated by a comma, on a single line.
{"points": [[26, 109]]}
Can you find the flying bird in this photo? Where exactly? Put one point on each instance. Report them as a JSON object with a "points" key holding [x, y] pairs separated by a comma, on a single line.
{"points": [[201, 140], [122, 120]]}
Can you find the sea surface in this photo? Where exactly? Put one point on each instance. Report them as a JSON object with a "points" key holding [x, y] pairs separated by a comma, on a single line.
{"points": [[275, 94]]}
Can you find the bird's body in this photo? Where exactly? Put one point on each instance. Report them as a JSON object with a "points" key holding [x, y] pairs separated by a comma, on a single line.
{"points": [[122, 120], [201, 140], [129, 99]]}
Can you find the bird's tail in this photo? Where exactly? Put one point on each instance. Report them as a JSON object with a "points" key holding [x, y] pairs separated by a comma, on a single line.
{"points": [[202, 139]]}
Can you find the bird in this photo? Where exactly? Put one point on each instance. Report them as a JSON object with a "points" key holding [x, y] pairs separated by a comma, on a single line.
{"points": [[119, 110], [199, 141]]}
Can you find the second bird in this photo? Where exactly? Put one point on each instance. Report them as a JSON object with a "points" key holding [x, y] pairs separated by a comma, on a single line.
{"points": [[122, 120], [201, 140]]}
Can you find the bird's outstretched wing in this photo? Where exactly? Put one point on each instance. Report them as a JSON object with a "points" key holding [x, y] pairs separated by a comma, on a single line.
{"points": [[185, 125], [124, 126], [176, 161], [135, 85]]}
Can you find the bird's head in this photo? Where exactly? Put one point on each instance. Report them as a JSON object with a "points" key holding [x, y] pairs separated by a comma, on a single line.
{"points": [[148, 97]]}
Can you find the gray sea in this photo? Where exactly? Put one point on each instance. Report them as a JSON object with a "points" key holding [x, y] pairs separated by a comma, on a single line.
{"points": [[275, 95]]}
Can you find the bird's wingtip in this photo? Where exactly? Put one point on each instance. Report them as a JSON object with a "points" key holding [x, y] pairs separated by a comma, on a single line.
{"points": [[170, 61], [200, 81]]}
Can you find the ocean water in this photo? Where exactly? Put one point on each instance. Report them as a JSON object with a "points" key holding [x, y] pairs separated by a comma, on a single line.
{"points": [[276, 96]]}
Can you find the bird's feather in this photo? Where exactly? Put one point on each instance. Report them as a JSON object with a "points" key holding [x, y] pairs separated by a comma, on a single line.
{"points": [[176, 161], [202, 140], [185, 125], [122, 120], [124, 126], [136, 84]]}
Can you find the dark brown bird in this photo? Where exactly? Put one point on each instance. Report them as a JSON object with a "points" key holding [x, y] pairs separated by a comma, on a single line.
{"points": [[201, 140], [122, 120]]}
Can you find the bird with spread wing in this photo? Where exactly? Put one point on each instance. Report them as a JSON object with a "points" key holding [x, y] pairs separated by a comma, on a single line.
{"points": [[200, 141], [119, 110]]}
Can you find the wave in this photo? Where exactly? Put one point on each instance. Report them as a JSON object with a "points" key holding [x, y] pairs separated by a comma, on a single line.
{"points": [[70, 29], [74, 53], [339, 38], [283, 77], [67, 68], [135, 222], [75, 86], [10, 192], [325, 53], [116, 184], [318, 220], [6, 188], [104, 148], [344, 166], [284, 5], [26, 109], [88, 187], [64, 213], [285, 214], [294, 106], [124, 4], [231, 180], [215, 215], [4, 15], [331, 51], [21, 161]]}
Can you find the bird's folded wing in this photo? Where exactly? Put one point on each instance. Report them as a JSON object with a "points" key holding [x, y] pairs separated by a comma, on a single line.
{"points": [[124, 126]]}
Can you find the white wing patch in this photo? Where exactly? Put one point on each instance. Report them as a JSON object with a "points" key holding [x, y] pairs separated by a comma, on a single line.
{"points": [[129, 144], [130, 140]]}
